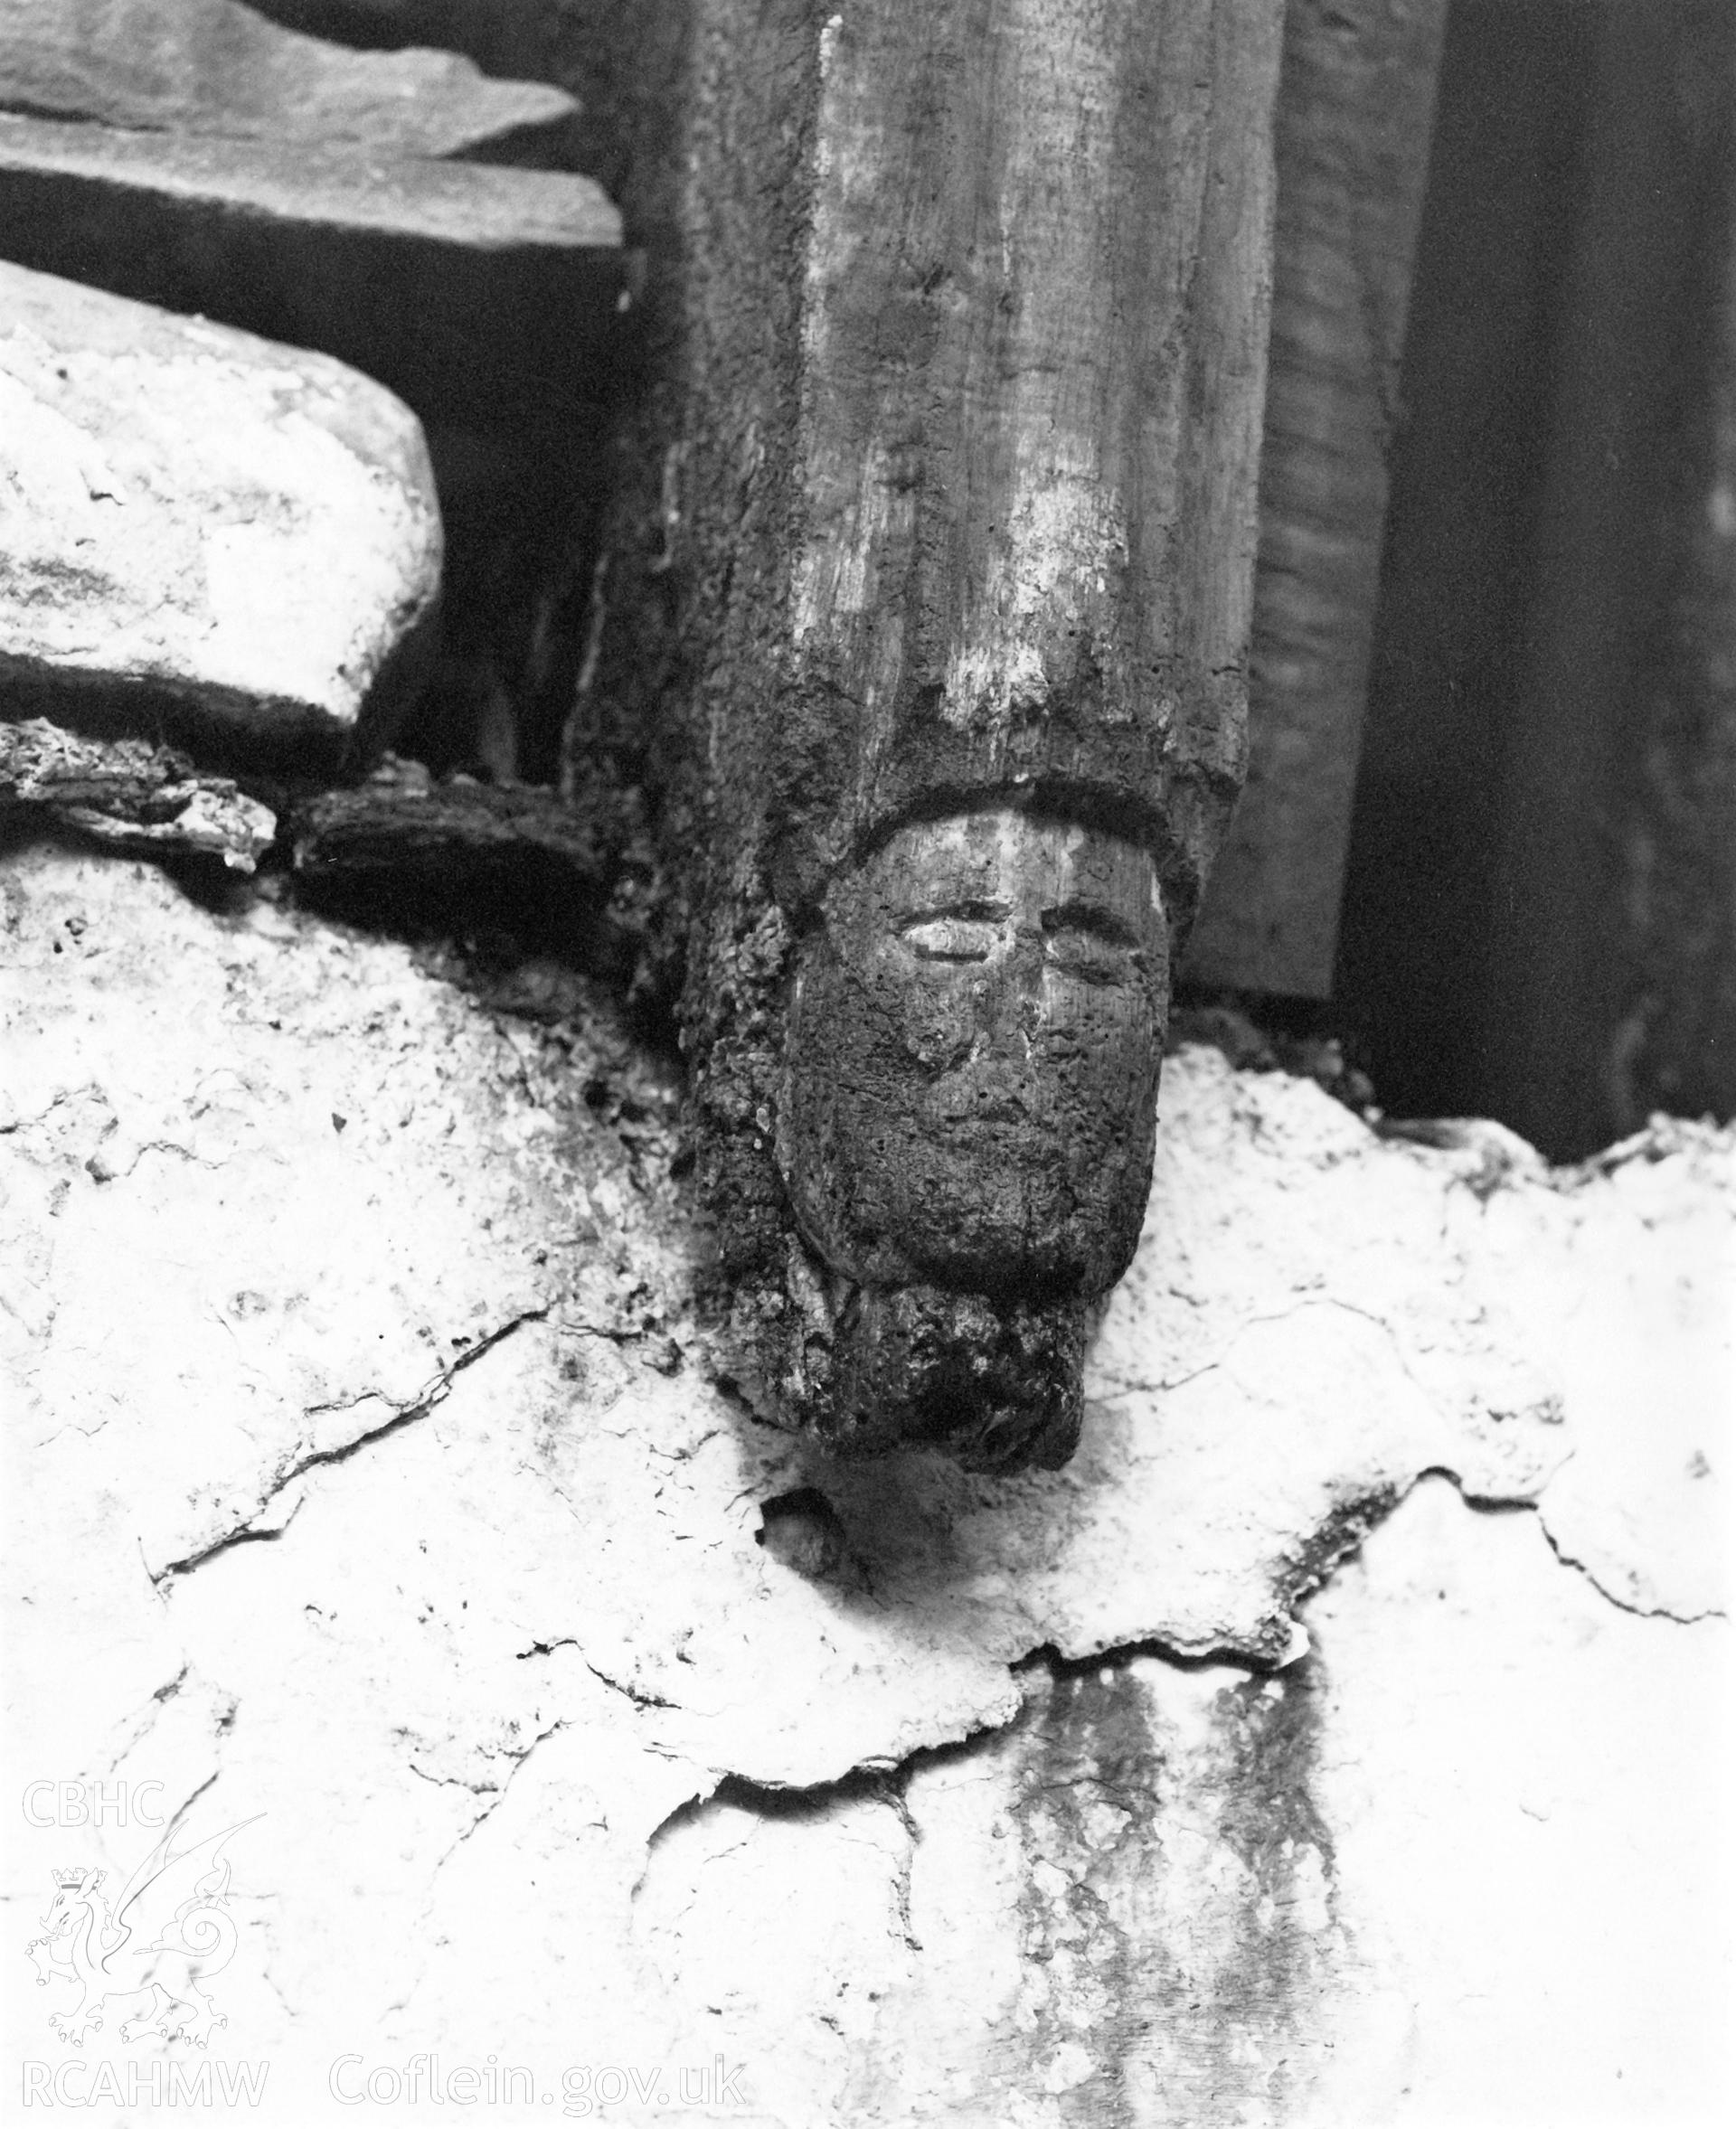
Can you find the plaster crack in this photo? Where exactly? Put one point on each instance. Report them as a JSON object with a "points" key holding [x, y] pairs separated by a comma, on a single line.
{"points": [[246, 1532], [639, 1697], [193, 1796], [1638, 1611], [496, 1798], [666, 1825], [1119, 1654], [1567, 1559], [99, 1171], [499, 1795], [1129, 1386], [142, 1720], [246, 1535], [66, 1095]]}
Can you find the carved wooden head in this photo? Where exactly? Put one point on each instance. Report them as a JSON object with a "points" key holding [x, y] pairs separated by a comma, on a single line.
{"points": [[976, 1028], [970, 470]]}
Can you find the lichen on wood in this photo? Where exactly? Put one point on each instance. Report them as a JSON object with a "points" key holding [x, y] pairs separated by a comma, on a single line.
{"points": [[130, 794], [944, 517]]}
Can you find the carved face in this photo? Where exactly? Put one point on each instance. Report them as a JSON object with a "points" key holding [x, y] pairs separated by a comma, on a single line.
{"points": [[976, 1034]]}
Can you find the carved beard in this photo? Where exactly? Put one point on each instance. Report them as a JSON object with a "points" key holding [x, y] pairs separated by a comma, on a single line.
{"points": [[976, 1035]]}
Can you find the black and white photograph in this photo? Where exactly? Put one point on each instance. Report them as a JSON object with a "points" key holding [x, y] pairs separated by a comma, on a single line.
{"points": [[868, 1063]]}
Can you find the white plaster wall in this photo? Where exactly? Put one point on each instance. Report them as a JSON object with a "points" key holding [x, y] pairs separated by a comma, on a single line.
{"points": [[368, 1490]]}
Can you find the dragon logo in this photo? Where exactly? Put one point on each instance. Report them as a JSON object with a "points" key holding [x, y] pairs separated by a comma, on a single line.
{"points": [[153, 1986]]}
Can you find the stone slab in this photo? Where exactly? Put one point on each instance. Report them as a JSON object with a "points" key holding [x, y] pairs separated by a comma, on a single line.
{"points": [[467, 288], [214, 66], [205, 534]]}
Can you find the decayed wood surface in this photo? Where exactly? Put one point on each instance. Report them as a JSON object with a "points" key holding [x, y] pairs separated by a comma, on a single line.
{"points": [[401, 821], [129, 794], [945, 514], [1356, 105], [512, 859]]}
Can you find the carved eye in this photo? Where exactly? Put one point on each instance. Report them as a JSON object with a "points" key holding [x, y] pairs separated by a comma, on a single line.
{"points": [[1090, 945], [959, 936]]}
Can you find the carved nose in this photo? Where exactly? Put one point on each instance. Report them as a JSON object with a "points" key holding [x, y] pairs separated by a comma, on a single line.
{"points": [[1013, 1005], [1023, 1003], [1009, 1016]]}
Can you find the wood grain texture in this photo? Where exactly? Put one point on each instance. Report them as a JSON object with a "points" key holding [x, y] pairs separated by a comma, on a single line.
{"points": [[1021, 406], [1354, 111], [401, 823], [1675, 1048], [455, 858], [945, 505], [1612, 965]]}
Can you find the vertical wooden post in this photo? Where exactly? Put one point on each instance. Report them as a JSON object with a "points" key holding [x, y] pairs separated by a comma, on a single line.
{"points": [[1676, 1043], [1542, 922], [1450, 629], [1612, 956], [1354, 111], [946, 508]]}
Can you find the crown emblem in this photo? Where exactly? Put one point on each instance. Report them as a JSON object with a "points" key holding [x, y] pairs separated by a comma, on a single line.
{"points": [[74, 1878]]}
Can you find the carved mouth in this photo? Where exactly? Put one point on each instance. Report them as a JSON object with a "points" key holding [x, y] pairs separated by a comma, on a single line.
{"points": [[1002, 1108], [966, 1098]]}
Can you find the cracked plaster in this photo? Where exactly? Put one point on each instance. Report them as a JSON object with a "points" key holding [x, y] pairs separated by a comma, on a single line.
{"points": [[357, 1488]]}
